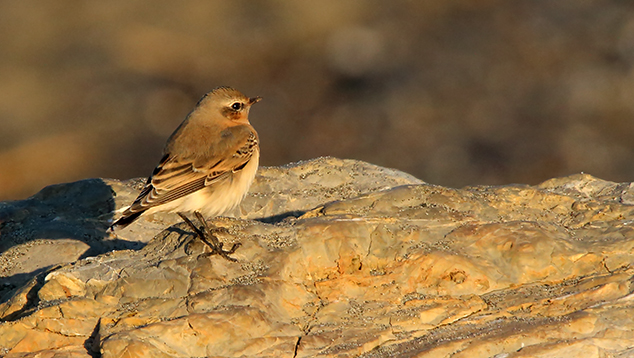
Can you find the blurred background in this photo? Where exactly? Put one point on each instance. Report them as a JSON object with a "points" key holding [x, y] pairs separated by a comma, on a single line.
{"points": [[454, 92]]}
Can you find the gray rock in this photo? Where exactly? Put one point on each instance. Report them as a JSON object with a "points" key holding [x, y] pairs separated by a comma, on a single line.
{"points": [[66, 222], [375, 269]]}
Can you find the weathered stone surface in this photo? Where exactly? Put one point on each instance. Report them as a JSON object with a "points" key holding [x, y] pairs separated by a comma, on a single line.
{"points": [[66, 222], [387, 270]]}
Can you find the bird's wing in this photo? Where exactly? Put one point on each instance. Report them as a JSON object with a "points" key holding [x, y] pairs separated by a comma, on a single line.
{"points": [[175, 177]]}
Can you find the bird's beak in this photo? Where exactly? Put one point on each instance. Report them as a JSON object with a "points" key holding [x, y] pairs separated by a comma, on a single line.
{"points": [[254, 100]]}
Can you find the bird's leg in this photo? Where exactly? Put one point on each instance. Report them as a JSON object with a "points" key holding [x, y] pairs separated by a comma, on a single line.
{"points": [[198, 232], [206, 236], [215, 240]]}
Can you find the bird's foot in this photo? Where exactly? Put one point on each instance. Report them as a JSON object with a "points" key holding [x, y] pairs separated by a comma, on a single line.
{"points": [[205, 234]]}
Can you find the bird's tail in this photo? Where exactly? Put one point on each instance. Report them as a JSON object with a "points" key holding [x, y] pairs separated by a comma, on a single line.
{"points": [[127, 219]]}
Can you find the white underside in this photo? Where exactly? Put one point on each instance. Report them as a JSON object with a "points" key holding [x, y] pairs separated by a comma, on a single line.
{"points": [[218, 198]]}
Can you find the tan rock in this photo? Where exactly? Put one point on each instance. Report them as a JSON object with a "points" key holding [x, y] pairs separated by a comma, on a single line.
{"points": [[412, 270]]}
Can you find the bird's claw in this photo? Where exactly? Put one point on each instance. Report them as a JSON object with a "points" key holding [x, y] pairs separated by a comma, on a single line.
{"points": [[204, 233]]}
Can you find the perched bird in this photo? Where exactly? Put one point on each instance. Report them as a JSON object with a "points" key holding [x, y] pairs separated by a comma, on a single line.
{"points": [[208, 164]]}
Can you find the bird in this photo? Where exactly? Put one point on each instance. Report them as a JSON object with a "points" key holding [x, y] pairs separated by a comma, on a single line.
{"points": [[208, 165]]}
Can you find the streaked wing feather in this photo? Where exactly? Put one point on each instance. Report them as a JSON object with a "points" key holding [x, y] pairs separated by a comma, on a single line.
{"points": [[173, 179], [157, 197], [235, 162]]}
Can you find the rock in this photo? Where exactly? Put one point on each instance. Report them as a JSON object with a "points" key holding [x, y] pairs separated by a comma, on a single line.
{"points": [[348, 259], [286, 191], [66, 222]]}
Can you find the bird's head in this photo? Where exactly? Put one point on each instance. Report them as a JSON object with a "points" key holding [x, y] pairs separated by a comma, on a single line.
{"points": [[230, 103]]}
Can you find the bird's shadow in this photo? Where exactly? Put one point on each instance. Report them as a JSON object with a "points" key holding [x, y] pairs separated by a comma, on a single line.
{"points": [[78, 212], [279, 218]]}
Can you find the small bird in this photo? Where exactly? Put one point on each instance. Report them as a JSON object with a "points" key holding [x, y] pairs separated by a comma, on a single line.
{"points": [[208, 164]]}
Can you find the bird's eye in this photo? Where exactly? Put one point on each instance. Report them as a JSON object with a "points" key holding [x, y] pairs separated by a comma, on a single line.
{"points": [[237, 106]]}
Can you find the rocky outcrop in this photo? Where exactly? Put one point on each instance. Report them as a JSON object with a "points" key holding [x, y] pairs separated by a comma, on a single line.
{"points": [[338, 258]]}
